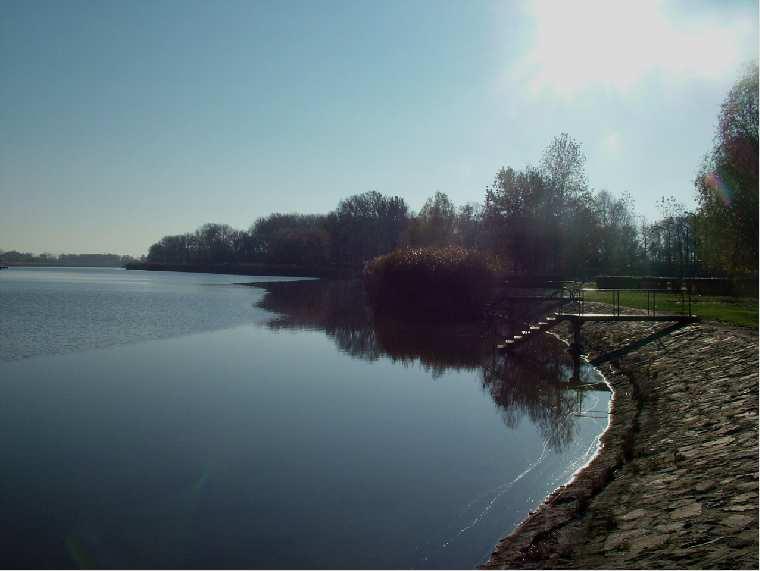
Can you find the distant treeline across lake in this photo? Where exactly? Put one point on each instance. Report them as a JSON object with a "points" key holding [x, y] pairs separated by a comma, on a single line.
{"points": [[14, 258], [247, 269]]}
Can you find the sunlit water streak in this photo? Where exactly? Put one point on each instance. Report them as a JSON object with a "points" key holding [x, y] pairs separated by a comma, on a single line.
{"points": [[572, 468]]}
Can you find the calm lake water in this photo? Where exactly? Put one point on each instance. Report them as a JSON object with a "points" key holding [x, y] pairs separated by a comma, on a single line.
{"points": [[155, 419]]}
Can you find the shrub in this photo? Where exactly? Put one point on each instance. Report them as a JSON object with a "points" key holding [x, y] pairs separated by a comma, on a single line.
{"points": [[440, 284]]}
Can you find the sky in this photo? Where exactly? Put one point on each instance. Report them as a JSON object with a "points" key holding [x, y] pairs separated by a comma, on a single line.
{"points": [[122, 122]]}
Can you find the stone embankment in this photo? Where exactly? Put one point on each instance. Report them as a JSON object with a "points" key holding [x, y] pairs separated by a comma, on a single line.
{"points": [[676, 482]]}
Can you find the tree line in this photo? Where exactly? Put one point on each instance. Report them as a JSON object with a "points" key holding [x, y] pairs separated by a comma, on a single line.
{"points": [[542, 219], [539, 220], [14, 257]]}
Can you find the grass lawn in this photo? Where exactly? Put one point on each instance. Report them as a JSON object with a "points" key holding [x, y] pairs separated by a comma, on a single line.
{"points": [[734, 310]]}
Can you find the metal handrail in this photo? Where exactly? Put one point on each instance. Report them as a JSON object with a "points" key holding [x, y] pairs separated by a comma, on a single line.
{"points": [[684, 292]]}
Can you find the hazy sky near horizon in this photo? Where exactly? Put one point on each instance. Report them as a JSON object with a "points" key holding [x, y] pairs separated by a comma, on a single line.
{"points": [[125, 121]]}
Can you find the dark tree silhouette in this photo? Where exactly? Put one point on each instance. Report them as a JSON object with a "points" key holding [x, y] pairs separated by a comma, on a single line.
{"points": [[366, 225]]}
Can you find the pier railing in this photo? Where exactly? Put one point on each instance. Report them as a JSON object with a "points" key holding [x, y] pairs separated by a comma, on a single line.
{"points": [[574, 297], [570, 305]]}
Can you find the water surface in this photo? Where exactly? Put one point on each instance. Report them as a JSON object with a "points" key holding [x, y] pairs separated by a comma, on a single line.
{"points": [[179, 420]]}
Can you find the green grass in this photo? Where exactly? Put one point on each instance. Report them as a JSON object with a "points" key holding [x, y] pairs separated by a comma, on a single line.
{"points": [[740, 311]]}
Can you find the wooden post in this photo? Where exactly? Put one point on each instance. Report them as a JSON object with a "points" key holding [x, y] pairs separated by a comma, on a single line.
{"points": [[576, 350], [576, 347]]}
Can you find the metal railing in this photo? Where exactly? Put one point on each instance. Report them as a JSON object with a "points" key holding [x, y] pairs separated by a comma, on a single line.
{"points": [[684, 296], [572, 298]]}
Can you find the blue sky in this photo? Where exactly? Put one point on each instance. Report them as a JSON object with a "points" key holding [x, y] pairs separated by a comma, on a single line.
{"points": [[125, 121]]}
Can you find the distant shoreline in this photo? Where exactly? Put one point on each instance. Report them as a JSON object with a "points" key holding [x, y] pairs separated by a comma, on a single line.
{"points": [[49, 265], [253, 269]]}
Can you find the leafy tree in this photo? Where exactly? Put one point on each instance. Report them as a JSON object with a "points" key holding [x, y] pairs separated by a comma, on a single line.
{"points": [[563, 166], [291, 239], [366, 225], [670, 241], [518, 222], [177, 249], [547, 220], [616, 236], [214, 243], [435, 224], [535, 216], [469, 225], [727, 183]]}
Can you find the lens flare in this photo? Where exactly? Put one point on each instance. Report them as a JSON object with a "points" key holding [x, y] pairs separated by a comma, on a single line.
{"points": [[718, 185]]}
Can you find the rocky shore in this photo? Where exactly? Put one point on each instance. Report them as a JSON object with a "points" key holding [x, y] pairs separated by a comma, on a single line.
{"points": [[676, 482]]}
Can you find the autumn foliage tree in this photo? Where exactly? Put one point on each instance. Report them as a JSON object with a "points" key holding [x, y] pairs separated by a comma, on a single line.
{"points": [[727, 183]]}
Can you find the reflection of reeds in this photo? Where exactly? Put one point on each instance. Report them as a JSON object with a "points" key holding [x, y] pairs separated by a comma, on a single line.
{"points": [[339, 309], [437, 349], [530, 383]]}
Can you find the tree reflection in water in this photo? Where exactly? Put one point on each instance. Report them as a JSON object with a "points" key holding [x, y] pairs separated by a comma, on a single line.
{"points": [[532, 382]]}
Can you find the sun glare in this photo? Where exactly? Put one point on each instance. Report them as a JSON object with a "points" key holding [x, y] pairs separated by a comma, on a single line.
{"points": [[616, 45]]}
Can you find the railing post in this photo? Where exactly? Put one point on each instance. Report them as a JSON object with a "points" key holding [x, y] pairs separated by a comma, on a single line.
{"points": [[689, 293], [576, 347]]}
